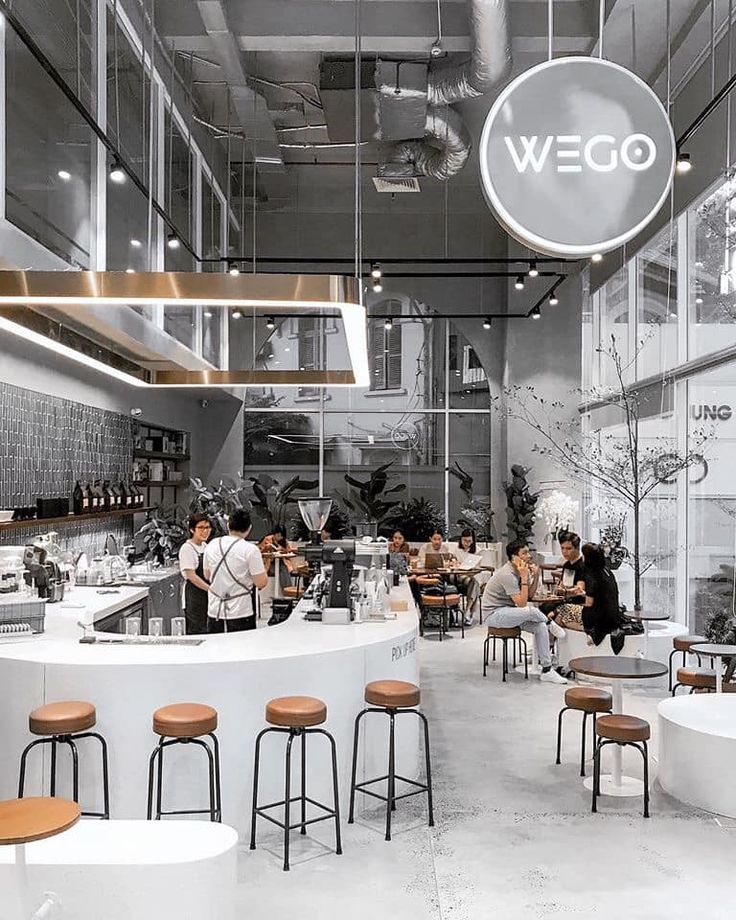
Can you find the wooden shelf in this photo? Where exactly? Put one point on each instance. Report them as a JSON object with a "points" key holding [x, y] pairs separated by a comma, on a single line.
{"points": [[154, 455], [70, 518], [162, 484]]}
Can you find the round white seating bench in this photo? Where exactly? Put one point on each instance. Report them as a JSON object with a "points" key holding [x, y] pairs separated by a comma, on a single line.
{"points": [[121, 870], [697, 750]]}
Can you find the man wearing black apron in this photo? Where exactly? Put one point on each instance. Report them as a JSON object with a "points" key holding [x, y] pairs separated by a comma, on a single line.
{"points": [[234, 568], [191, 565]]}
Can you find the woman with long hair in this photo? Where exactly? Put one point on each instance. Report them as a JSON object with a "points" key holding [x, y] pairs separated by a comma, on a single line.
{"points": [[602, 610]]}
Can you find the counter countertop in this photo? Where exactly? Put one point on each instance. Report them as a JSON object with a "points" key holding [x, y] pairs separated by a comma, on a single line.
{"points": [[294, 638], [87, 605]]}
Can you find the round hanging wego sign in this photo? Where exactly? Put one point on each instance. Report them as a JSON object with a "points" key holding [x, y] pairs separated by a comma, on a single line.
{"points": [[577, 155]]}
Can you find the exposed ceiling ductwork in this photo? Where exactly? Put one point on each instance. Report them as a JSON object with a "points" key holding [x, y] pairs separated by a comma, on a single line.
{"points": [[445, 146]]}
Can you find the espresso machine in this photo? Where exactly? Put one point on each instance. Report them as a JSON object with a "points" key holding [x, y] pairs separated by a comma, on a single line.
{"points": [[44, 573]]}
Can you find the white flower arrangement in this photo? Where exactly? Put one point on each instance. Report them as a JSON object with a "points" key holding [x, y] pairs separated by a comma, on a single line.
{"points": [[559, 512]]}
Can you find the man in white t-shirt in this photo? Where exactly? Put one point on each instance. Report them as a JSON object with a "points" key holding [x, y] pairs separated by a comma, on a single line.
{"points": [[233, 568]]}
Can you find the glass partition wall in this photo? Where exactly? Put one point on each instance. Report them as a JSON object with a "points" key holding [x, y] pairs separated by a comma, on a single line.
{"points": [[672, 308], [427, 413], [58, 186]]}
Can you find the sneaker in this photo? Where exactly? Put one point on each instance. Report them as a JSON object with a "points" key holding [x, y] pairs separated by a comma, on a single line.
{"points": [[468, 621], [557, 631], [552, 677]]}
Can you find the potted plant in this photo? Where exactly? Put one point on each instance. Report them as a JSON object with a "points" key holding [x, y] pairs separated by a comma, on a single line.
{"points": [[559, 512], [521, 505], [368, 499], [417, 519], [275, 503], [163, 534]]}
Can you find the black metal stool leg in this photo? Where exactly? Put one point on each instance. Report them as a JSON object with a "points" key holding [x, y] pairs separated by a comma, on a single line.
{"points": [[287, 797], [485, 655], [23, 758], [559, 734], [669, 667], [526, 658], [354, 771], [582, 745], [211, 773], [304, 784], [160, 780], [505, 659], [335, 791], [596, 774], [256, 770], [390, 804], [52, 787], [75, 767], [151, 765], [645, 755], [494, 649], [428, 767]]}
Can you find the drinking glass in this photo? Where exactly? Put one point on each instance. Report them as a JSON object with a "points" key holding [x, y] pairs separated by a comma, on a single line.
{"points": [[155, 626], [178, 626]]}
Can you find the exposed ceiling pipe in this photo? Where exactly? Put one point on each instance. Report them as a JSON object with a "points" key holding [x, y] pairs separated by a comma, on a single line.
{"points": [[490, 59], [446, 145], [442, 152], [250, 105]]}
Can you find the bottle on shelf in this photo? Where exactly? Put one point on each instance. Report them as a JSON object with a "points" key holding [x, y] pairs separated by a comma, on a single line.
{"points": [[126, 497], [92, 497], [99, 494], [116, 491], [80, 499], [107, 499]]}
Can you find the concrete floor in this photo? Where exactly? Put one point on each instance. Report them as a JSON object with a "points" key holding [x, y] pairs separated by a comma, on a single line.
{"points": [[514, 835]]}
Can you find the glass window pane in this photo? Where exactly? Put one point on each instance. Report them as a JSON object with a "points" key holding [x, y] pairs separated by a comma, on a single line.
{"points": [[712, 266], [47, 194], [211, 227], [211, 335], [470, 490], [177, 177], [180, 323], [656, 276], [128, 100], [614, 323]]}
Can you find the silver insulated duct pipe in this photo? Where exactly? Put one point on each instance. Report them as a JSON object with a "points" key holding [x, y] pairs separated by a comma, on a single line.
{"points": [[446, 145]]}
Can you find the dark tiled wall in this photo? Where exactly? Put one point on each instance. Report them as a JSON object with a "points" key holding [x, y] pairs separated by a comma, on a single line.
{"points": [[47, 443]]}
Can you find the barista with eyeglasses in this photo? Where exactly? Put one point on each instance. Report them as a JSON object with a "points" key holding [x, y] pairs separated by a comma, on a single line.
{"points": [[191, 565]]}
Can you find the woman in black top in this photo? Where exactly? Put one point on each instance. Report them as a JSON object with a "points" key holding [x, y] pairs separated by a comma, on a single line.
{"points": [[602, 612]]}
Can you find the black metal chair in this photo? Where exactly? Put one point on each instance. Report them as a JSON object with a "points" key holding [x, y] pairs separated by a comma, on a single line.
{"points": [[392, 698], [66, 722], [296, 717], [185, 723]]}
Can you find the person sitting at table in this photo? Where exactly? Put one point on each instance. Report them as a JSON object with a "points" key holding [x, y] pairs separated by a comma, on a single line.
{"points": [[276, 543], [398, 553], [602, 611], [436, 546], [467, 584], [505, 604], [572, 581]]}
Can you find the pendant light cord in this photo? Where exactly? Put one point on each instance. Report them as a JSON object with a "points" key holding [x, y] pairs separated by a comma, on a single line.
{"points": [[550, 28], [358, 157], [601, 23]]}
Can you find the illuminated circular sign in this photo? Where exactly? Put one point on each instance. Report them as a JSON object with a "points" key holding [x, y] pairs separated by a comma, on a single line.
{"points": [[577, 155]]}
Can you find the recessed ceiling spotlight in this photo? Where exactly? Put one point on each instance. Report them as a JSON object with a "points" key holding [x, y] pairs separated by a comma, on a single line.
{"points": [[487, 323], [519, 285], [375, 270], [533, 270], [64, 175], [172, 241], [536, 313], [117, 173], [596, 257], [237, 314], [673, 314], [698, 300], [553, 299], [684, 163], [388, 323], [136, 244], [377, 286], [233, 269], [129, 271], [270, 323], [207, 314]]}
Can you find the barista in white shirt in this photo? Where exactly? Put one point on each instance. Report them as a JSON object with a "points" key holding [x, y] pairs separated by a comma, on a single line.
{"points": [[191, 566], [233, 568]]}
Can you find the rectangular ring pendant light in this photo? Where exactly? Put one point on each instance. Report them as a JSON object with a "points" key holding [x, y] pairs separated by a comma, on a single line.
{"points": [[265, 294]]}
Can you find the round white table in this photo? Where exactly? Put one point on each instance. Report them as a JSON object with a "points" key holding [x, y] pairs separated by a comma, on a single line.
{"points": [[617, 670]]}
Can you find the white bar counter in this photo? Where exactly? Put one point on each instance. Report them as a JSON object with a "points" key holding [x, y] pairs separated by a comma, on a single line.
{"points": [[236, 673]]}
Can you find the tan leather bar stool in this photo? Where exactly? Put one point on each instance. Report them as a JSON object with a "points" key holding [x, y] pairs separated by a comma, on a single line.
{"points": [[297, 717], [185, 723], [695, 679], [443, 604], [26, 820], [626, 731], [293, 592], [589, 701], [683, 644], [66, 722], [392, 698], [506, 635]]}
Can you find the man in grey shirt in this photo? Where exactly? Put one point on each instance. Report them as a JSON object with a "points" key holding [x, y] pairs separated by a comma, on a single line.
{"points": [[506, 604]]}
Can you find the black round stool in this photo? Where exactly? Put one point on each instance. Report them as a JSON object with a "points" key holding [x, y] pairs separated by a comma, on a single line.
{"points": [[295, 716], [185, 723], [66, 722], [626, 731], [392, 698]]}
